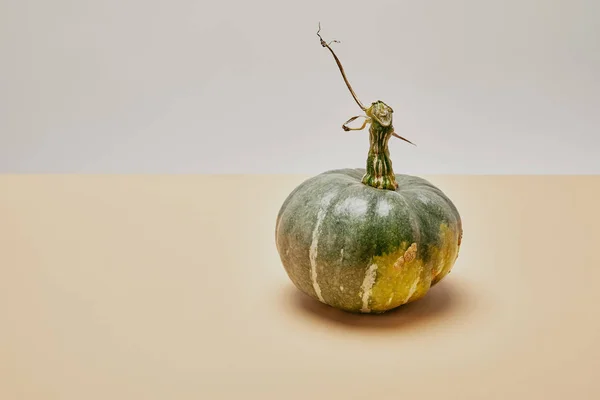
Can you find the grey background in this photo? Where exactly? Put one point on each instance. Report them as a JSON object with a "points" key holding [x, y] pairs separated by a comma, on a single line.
{"points": [[244, 87]]}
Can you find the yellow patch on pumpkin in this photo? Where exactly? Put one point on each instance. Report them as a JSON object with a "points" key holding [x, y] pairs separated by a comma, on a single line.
{"points": [[399, 278], [444, 257], [402, 277]]}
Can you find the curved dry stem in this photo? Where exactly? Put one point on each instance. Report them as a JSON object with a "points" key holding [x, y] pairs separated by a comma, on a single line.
{"points": [[365, 122], [324, 44]]}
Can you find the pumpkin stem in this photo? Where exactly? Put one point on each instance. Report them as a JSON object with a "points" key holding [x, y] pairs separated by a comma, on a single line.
{"points": [[380, 174]]}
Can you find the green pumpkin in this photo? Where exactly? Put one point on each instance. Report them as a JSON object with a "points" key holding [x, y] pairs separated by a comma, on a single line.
{"points": [[363, 249], [368, 240]]}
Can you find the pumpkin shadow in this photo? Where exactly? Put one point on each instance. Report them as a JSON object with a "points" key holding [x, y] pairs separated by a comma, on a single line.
{"points": [[442, 300]]}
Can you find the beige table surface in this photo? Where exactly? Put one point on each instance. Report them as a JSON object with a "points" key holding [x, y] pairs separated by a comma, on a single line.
{"points": [[170, 287]]}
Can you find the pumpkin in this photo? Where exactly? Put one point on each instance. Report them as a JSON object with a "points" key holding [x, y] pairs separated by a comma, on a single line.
{"points": [[367, 240]]}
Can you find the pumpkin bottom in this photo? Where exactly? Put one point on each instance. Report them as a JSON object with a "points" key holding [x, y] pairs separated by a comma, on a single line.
{"points": [[386, 283]]}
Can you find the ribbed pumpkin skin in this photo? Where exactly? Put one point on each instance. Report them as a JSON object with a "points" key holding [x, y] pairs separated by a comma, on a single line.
{"points": [[351, 246]]}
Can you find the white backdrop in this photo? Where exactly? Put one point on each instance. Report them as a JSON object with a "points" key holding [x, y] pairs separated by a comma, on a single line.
{"points": [[186, 86]]}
